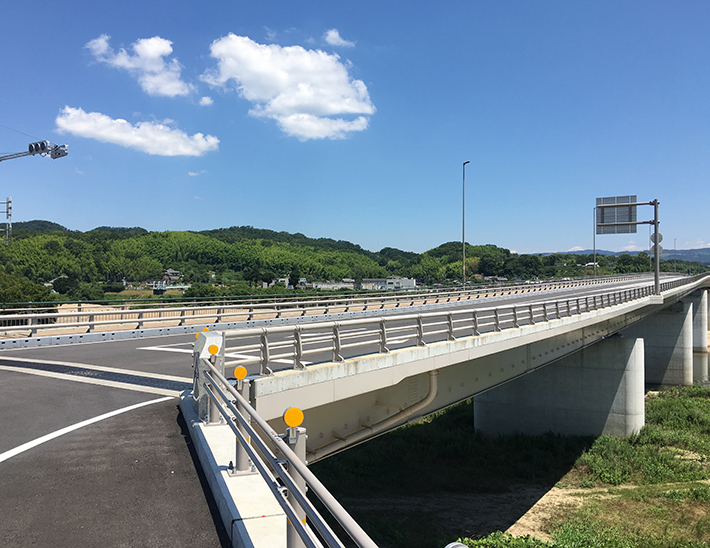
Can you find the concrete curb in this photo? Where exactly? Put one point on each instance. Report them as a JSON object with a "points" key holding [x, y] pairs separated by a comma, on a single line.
{"points": [[250, 513]]}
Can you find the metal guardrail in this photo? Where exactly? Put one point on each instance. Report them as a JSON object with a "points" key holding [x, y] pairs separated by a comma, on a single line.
{"points": [[92, 318], [287, 475], [113, 304], [293, 343]]}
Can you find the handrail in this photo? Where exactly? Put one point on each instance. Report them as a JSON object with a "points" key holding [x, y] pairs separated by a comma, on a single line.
{"points": [[214, 379], [89, 319], [343, 334]]}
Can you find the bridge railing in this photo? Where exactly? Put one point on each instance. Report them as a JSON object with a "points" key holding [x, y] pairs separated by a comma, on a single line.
{"points": [[88, 318], [286, 475], [300, 345]]}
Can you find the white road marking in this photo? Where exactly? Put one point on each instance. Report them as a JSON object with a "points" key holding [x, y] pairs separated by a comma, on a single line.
{"points": [[102, 368], [165, 349], [89, 380], [34, 443]]}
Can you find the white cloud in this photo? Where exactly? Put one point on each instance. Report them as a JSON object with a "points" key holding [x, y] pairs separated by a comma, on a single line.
{"points": [[631, 246], [147, 65], [270, 34], [196, 173], [332, 36], [205, 101], [306, 91], [156, 138], [575, 248]]}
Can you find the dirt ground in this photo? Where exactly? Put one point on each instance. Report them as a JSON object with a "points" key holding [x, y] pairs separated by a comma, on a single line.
{"points": [[523, 510]]}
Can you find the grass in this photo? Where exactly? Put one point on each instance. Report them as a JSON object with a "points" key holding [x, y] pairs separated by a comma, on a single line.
{"points": [[643, 491]]}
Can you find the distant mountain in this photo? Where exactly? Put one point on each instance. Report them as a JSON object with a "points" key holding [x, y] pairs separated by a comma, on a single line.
{"points": [[701, 255], [39, 225], [120, 230]]}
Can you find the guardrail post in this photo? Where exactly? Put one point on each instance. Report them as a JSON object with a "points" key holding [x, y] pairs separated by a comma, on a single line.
{"points": [[336, 343], [213, 416], [383, 337], [544, 312], [515, 317], [212, 412], [476, 332], [420, 332], [450, 326], [297, 442], [242, 461], [140, 321], [33, 330], [297, 349], [496, 319], [264, 354], [91, 324], [182, 318], [532, 318], [557, 309]]}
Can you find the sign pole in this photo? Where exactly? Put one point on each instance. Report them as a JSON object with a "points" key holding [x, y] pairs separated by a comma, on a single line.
{"points": [[656, 249]]}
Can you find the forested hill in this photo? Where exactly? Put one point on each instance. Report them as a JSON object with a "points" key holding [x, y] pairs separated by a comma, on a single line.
{"points": [[243, 257]]}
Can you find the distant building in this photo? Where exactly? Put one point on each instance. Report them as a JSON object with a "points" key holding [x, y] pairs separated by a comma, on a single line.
{"points": [[347, 283], [371, 284], [393, 283], [171, 276]]}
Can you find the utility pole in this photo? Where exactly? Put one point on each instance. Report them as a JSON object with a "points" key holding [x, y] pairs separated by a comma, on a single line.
{"points": [[8, 217]]}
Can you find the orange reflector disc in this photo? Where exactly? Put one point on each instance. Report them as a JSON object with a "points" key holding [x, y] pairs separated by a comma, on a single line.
{"points": [[293, 417]]}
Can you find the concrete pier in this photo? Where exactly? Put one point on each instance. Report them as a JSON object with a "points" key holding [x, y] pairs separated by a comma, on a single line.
{"points": [[596, 391], [668, 344], [699, 300]]}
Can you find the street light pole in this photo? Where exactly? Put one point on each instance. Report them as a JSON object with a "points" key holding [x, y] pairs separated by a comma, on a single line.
{"points": [[463, 226]]}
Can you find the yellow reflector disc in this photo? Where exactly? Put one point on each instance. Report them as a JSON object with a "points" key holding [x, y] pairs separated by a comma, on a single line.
{"points": [[293, 417], [240, 373], [213, 349]]}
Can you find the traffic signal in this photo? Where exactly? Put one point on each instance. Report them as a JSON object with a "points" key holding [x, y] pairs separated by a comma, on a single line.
{"points": [[8, 208], [58, 151], [39, 148]]}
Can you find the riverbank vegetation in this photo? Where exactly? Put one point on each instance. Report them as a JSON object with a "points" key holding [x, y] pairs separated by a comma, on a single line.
{"points": [[650, 490]]}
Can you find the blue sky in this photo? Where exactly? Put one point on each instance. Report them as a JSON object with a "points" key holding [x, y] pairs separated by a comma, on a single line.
{"points": [[352, 120]]}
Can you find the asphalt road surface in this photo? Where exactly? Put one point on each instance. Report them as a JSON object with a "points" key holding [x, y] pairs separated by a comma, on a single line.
{"points": [[94, 451]]}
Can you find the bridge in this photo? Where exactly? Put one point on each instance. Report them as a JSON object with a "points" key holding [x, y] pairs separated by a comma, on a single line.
{"points": [[570, 357]]}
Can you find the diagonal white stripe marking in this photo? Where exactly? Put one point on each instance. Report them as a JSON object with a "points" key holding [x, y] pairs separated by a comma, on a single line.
{"points": [[34, 443], [100, 368], [164, 349], [89, 380]]}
